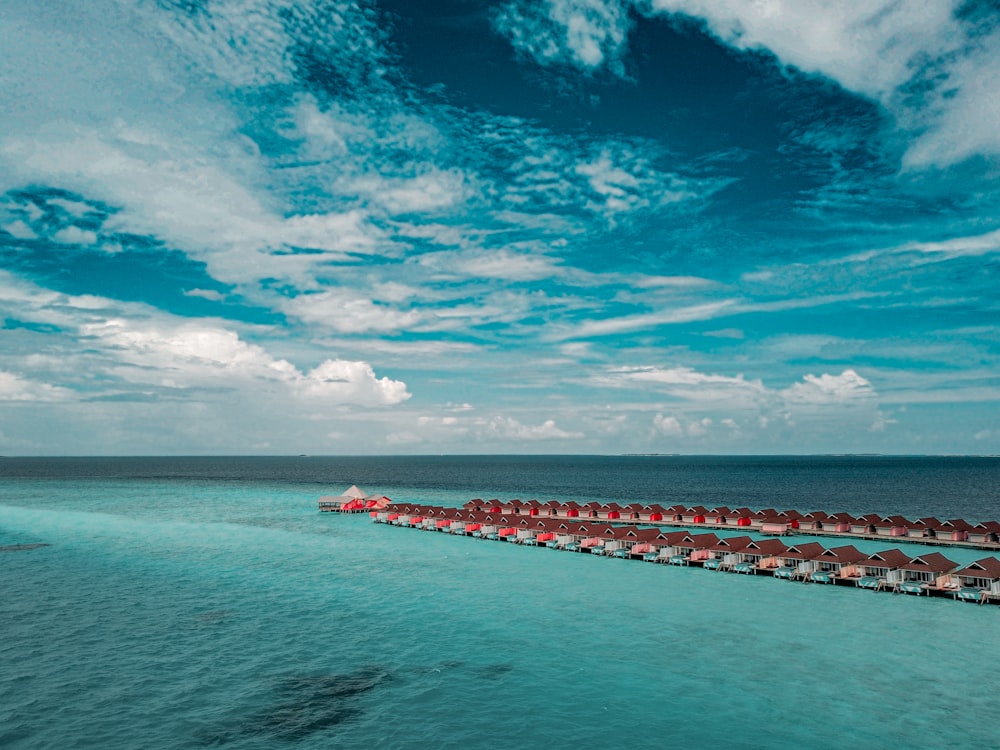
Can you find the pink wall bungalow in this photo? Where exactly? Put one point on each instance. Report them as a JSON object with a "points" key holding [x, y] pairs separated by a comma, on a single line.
{"points": [[640, 541], [726, 552], [932, 570], [955, 530], [985, 532], [814, 520], [882, 568], [760, 555], [838, 562], [893, 526], [839, 522], [798, 560], [695, 546]]}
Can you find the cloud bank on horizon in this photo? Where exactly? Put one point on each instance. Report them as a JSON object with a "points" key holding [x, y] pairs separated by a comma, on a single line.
{"points": [[559, 226]]}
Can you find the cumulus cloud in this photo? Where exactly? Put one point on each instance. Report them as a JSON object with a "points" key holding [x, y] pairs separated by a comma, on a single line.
{"points": [[189, 355], [15, 388], [72, 235], [669, 425], [511, 429], [846, 387]]}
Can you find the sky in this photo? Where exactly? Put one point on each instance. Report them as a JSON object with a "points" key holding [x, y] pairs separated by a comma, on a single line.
{"points": [[523, 226]]}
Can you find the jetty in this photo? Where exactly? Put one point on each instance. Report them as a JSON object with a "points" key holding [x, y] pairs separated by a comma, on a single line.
{"points": [[608, 534], [353, 500]]}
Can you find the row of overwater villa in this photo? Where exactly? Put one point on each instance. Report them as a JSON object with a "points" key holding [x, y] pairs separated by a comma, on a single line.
{"points": [[609, 534]]}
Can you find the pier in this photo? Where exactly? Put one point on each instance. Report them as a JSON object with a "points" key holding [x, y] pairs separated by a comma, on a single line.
{"points": [[651, 539]]}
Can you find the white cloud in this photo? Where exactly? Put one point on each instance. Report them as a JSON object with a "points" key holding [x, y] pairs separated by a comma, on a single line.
{"points": [[20, 230], [845, 388], [979, 244], [511, 429], [491, 264], [190, 355], [73, 235], [589, 33], [209, 294], [627, 323], [348, 311], [937, 74], [669, 426], [15, 388]]}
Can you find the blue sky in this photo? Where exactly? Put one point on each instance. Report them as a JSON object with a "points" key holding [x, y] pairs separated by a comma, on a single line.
{"points": [[451, 226]]}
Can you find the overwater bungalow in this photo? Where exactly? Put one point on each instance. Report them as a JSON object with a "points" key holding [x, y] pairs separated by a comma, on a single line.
{"points": [[675, 513], [610, 512], [694, 547], [763, 554], [865, 524], [741, 517], [813, 520], [924, 527], [694, 514], [570, 509], [926, 572], [725, 553], [985, 532], [717, 516], [798, 560], [955, 530], [882, 569], [979, 580], [893, 526], [840, 523], [838, 562]]}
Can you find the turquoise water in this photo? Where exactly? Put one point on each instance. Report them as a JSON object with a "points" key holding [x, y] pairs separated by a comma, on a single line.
{"points": [[174, 612]]}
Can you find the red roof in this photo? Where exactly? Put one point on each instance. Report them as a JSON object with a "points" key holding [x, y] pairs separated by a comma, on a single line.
{"points": [[933, 562], [807, 551], [766, 547], [844, 555], [731, 544], [890, 558], [988, 567]]}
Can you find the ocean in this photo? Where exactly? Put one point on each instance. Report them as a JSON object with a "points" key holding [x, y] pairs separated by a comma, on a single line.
{"points": [[205, 602]]}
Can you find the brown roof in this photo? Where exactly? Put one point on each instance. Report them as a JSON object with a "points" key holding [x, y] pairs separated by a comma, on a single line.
{"points": [[955, 524], [766, 547], [993, 526], [731, 544], [806, 551], [933, 562], [844, 555], [988, 567], [890, 558], [698, 541]]}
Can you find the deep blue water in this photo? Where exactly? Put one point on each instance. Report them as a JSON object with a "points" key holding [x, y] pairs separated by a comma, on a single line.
{"points": [[204, 602]]}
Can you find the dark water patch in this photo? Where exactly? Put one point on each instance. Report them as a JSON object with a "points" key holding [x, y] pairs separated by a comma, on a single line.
{"points": [[492, 671], [214, 616], [304, 705], [22, 547]]}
